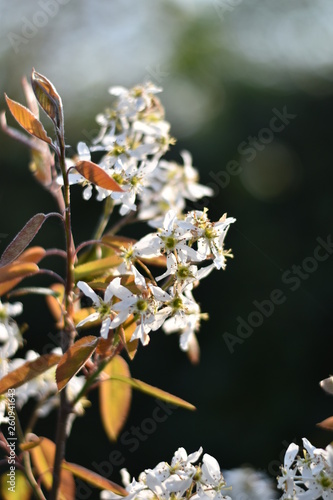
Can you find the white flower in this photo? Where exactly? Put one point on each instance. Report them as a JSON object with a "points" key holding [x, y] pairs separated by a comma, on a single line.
{"points": [[179, 480], [3, 371], [170, 185], [40, 387], [172, 237], [10, 335], [210, 235], [103, 307], [132, 101], [184, 272], [307, 478], [74, 177], [249, 484], [144, 306]]}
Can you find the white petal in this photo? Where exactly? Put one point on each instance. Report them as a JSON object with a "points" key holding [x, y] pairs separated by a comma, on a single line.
{"points": [[120, 318], [193, 457], [105, 328], [138, 278], [83, 151], [117, 90], [108, 294], [160, 294], [14, 309], [92, 317], [290, 455], [89, 292]]}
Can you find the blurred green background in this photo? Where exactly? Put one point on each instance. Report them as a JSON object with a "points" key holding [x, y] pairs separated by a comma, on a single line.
{"points": [[227, 67]]}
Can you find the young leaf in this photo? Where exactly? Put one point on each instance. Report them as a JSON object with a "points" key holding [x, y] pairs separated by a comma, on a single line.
{"points": [[27, 120], [95, 174], [326, 424], [153, 391], [115, 397], [12, 274], [28, 371], [22, 489], [118, 241], [22, 239], [74, 358], [126, 333], [33, 254], [96, 267], [48, 98], [94, 479], [43, 459], [55, 303], [17, 270], [31, 442]]}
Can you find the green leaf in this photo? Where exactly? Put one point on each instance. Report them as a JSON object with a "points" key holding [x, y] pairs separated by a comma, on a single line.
{"points": [[74, 358], [28, 371], [22, 239], [94, 479], [115, 397], [154, 391], [27, 120], [96, 267], [95, 174], [21, 491]]}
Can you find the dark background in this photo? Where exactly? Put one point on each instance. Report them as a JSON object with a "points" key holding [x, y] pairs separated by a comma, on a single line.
{"points": [[251, 403]]}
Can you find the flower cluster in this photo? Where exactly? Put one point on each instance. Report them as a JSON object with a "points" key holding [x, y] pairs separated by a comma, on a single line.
{"points": [[43, 387], [10, 335], [309, 477], [185, 242], [249, 484], [133, 138], [180, 479]]}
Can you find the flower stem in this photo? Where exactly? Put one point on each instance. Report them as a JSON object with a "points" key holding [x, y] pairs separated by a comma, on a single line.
{"points": [[69, 332]]}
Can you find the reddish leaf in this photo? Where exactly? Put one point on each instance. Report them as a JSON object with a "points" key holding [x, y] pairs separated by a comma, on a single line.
{"points": [[27, 120], [33, 254], [22, 239], [97, 175], [118, 241], [17, 270], [326, 424], [193, 352], [74, 358], [126, 333], [48, 97], [30, 97], [55, 303], [94, 479], [28, 371], [12, 274], [43, 459], [115, 397], [153, 391]]}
